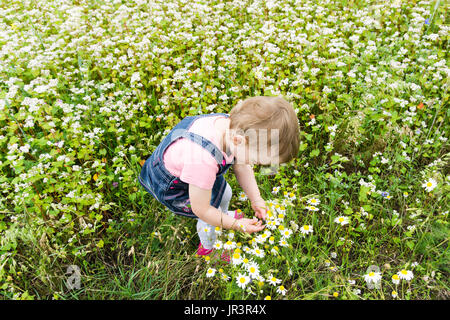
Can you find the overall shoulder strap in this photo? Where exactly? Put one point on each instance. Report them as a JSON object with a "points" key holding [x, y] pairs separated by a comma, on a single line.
{"points": [[202, 141]]}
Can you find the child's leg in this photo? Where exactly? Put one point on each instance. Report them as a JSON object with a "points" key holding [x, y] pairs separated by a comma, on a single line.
{"points": [[206, 232], [226, 199]]}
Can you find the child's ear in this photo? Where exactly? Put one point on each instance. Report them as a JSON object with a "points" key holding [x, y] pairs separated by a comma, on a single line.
{"points": [[238, 139]]}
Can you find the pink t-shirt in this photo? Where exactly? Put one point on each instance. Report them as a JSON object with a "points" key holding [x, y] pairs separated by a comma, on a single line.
{"points": [[191, 162]]}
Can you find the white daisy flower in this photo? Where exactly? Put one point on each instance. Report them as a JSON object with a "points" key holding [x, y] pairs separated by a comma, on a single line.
{"points": [[283, 242], [429, 185], [274, 250], [242, 280], [242, 196], [306, 229], [280, 209], [286, 233], [342, 220], [273, 281], [312, 208], [272, 225], [224, 277], [275, 190], [282, 290], [218, 231], [253, 270], [261, 238], [236, 258], [210, 272], [314, 201], [246, 249], [229, 245], [405, 274], [258, 252], [218, 245], [395, 279], [372, 277]]}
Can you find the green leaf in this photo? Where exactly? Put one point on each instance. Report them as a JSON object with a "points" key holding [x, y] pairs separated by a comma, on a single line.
{"points": [[100, 244], [303, 146], [410, 244], [314, 153], [363, 194]]}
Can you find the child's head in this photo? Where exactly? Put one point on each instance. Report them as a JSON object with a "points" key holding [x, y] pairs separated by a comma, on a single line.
{"points": [[264, 130]]}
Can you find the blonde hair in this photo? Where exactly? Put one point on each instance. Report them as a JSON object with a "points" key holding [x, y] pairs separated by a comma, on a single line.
{"points": [[269, 113]]}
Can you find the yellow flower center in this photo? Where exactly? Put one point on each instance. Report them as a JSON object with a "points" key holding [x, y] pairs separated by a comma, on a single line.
{"points": [[395, 277], [281, 288], [371, 274], [242, 280], [429, 184], [404, 272], [341, 219], [252, 269], [306, 227]]}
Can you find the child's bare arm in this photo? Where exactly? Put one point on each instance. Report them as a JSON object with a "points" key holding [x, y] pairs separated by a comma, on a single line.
{"points": [[246, 179], [200, 204]]}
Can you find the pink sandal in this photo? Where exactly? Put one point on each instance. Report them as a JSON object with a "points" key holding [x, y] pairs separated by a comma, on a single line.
{"points": [[201, 251]]}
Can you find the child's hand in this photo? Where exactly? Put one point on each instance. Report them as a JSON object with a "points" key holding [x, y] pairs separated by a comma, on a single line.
{"points": [[260, 208], [249, 225]]}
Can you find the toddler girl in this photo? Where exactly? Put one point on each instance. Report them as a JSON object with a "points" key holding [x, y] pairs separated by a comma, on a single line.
{"points": [[186, 171]]}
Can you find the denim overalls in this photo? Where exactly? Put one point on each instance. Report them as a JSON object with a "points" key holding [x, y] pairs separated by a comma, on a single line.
{"points": [[170, 190]]}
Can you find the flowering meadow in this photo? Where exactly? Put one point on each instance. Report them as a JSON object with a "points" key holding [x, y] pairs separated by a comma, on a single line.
{"points": [[89, 88]]}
